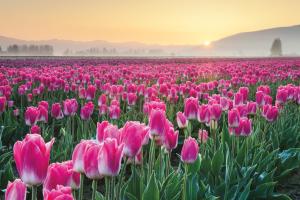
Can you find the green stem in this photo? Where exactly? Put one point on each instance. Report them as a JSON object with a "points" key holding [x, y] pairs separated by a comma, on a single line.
{"points": [[34, 193], [94, 186], [80, 194], [107, 186], [120, 178], [184, 197]]}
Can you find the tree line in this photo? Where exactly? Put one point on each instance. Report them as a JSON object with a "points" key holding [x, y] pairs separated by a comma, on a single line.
{"points": [[40, 50]]}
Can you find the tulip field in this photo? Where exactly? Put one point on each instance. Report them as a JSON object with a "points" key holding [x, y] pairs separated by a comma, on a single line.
{"points": [[149, 129]]}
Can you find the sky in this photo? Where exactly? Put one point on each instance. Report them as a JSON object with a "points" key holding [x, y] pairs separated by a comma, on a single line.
{"points": [[167, 22]]}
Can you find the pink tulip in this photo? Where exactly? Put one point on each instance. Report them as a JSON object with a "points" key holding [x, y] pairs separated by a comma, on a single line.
{"points": [[103, 109], [32, 158], [70, 107], [191, 108], [35, 130], [204, 114], [270, 113], [244, 128], [102, 100], [190, 150], [171, 139], [16, 112], [259, 96], [90, 162], [10, 104], [114, 111], [29, 97], [132, 136], [182, 122], [216, 112], [157, 121], [44, 104], [56, 111], [43, 114], [202, 136], [2, 104], [282, 95], [61, 174], [252, 106], [87, 111], [224, 102], [59, 193], [233, 118], [245, 93], [238, 99], [106, 130], [90, 92], [78, 154], [31, 115], [110, 157], [15, 190]]}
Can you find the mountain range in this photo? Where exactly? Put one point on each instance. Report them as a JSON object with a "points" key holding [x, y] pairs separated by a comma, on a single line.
{"points": [[245, 44]]}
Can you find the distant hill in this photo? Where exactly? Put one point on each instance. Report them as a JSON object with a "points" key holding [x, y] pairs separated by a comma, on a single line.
{"points": [[256, 43], [259, 42]]}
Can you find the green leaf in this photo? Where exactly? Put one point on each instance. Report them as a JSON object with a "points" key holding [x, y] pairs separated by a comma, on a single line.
{"points": [[217, 162], [280, 197], [195, 167], [192, 187], [151, 192], [246, 191], [241, 153], [264, 190], [99, 196]]}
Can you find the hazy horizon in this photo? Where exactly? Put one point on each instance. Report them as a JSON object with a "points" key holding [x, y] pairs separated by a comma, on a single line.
{"points": [[166, 23]]}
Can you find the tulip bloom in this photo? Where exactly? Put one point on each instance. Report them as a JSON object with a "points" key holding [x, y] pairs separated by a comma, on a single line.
{"points": [[204, 114], [106, 130], [114, 111], [190, 150], [90, 162], [35, 130], [238, 99], [78, 153], [132, 136], [270, 113], [171, 139], [56, 111], [2, 104], [61, 174], [43, 114], [244, 128], [31, 115], [215, 111], [110, 157], [182, 122], [59, 193], [32, 158], [233, 118], [15, 190], [191, 108], [102, 100], [87, 111], [282, 95], [202, 136], [157, 121], [70, 107], [90, 92]]}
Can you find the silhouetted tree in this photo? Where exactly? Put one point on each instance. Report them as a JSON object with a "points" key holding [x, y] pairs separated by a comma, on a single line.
{"points": [[276, 49]]}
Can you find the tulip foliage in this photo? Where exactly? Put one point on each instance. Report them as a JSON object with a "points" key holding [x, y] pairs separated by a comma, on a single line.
{"points": [[148, 129]]}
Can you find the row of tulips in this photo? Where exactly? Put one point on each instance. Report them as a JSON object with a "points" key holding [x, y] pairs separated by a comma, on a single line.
{"points": [[142, 123]]}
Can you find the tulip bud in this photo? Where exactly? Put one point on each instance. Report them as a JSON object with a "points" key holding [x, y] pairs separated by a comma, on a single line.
{"points": [[202, 136], [182, 122], [191, 108], [15, 190], [59, 193], [189, 150], [56, 111]]}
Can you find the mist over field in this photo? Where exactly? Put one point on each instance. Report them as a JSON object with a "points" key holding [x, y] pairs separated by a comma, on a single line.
{"points": [[246, 44]]}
